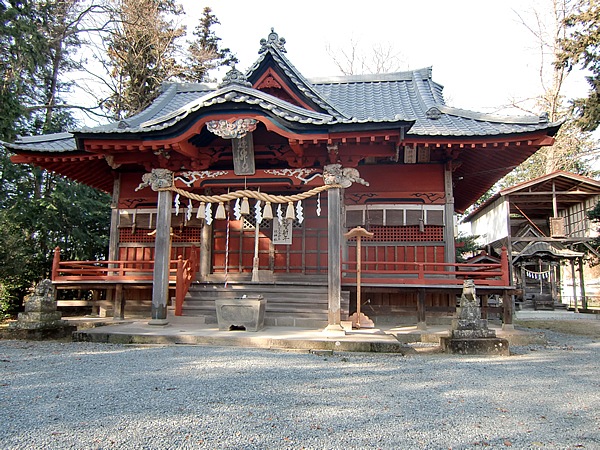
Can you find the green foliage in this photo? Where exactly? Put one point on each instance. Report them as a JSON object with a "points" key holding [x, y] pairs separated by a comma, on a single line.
{"points": [[582, 47], [204, 53], [40, 210], [22, 55], [465, 246], [141, 51]]}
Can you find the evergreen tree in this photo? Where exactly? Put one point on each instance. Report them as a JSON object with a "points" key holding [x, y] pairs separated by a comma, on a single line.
{"points": [[582, 47], [40, 210], [141, 51], [571, 143], [204, 52]]}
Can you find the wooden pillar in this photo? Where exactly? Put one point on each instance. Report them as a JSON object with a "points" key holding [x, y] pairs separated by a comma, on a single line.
{"points": [[523, 282], [507, 310], [449, 250], [95, 301], [113, 240], [421, 316], [119, 303], [559, 282], [574, 285], [162, 259], [582, 283], [334, 241], [484, 306], [553, 289]]}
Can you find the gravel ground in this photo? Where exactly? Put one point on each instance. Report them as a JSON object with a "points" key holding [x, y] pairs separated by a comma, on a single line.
{"points": [[58, 395]]}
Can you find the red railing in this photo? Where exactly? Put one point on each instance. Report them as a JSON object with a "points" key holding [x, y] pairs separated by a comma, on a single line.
{"points": [[181, 272], [108, 271], [186, 271], [423, 273]]}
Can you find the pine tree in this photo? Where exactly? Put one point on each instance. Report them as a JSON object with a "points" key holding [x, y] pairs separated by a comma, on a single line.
{"points": [[582, 47], [205, 53]]}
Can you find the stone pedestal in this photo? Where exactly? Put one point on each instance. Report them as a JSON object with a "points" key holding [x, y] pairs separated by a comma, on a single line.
{"points": [[244, 313], [41, 319], [359, 320], [470, 334]]}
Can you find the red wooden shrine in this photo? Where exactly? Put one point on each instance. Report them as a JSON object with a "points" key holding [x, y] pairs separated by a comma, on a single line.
{"points": [[399, 160]]}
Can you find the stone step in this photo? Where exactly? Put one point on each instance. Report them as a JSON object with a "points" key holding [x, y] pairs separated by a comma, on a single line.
{"points": [[292, 304]]}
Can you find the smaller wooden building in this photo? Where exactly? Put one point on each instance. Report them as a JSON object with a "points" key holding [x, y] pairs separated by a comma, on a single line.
{"points": [[544, 224]]}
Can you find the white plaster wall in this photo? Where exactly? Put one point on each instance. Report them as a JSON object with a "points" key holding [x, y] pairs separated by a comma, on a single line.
{"points": [[492, 224]]}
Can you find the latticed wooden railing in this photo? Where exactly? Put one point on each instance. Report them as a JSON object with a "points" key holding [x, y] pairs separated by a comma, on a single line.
{"points": [[427, 273], [181, 273]]}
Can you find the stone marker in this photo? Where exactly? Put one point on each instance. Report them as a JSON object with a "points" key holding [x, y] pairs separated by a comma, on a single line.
{"points": [[41, 318], [470, 334]]}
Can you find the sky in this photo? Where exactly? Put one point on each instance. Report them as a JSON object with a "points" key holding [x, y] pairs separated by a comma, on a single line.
{"points": [[480, 50]]}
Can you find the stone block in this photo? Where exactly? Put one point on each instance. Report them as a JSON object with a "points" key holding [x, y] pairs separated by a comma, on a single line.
{"points": [[480, 346], [241, 313]]}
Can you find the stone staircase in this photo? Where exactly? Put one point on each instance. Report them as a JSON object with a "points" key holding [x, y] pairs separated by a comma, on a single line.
{"points": [[288, 305]]}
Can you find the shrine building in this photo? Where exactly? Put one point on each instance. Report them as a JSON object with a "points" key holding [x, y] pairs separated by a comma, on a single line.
{"points": [[251, 186]]}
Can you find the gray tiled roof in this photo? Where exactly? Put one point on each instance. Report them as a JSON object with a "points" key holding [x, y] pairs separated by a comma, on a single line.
{"points": [[297, 78], [54, 143], [415, 96], [410, 96]]}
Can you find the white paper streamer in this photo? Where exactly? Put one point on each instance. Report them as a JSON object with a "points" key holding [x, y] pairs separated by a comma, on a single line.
{"points": [[208, 214], [237, 209], [177, 205], [299, 212], [258, 211]]}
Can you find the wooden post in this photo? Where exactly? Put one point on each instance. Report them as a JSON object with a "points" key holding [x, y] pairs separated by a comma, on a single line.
{"points": [[179, 285], [162, 259], [582, 283], [421, 315], [553, 283], [119, 304], [358, 319], [558, 282], [449, 250], [334, 267], [113, 241], [55, 263], [484, 306], [523, 282], [505, 266], [574, 285], [95, 301], [255, 259], [507, 309]]}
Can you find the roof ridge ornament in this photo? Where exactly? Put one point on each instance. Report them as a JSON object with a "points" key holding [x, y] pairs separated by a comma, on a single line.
{"points": [[234, 76], [433, 113], [273, 41]]}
